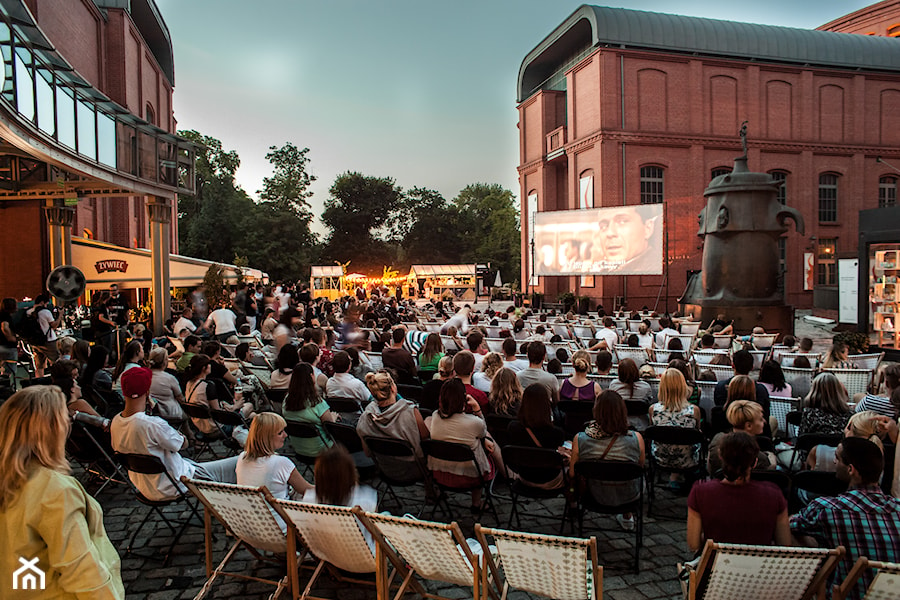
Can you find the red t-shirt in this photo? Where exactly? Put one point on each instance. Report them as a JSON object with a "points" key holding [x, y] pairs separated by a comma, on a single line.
{"points": [[480, 396], [738, 514]]}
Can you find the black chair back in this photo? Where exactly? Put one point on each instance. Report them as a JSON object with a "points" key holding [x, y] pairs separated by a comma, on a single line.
{"points": [[302, 430], [681, 436], [410, 392], [196, 411], [345, 435], [808, 441], [389, 446], [534, 464], [765, 443], [46, 380], [228, 417], [815, 484], [637, 408], [343, 405], [449, 451], [575, 414], [779, 478], [146, 464]]}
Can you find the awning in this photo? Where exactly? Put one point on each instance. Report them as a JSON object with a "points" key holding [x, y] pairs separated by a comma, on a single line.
{"points": [[327, 271], [421, 271], [103, 264]]}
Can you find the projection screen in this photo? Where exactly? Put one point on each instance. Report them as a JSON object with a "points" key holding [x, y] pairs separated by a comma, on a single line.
{"points": [[615, 240]]}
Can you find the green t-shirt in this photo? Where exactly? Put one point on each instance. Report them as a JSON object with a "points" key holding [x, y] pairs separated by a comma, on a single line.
{"points": [[432, 365], [310, 414]]}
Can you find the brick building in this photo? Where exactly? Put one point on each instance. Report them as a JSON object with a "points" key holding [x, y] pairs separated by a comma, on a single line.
{"points": [[87, 143], [627, 107]]}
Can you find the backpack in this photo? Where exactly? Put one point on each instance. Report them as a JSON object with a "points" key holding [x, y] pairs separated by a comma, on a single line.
{"points": [[28, 327]]}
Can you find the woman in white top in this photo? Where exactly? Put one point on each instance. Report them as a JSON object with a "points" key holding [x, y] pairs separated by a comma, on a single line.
{"points": [[259, 465], [288, 358], [165, 388], [492, 363], [199, 390]]}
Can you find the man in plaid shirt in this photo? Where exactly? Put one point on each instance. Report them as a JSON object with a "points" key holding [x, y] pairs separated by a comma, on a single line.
{"points": [[863, 520]]}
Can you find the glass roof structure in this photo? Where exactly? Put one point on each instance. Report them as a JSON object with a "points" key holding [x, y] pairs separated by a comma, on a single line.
{"points": [[56, 110]]}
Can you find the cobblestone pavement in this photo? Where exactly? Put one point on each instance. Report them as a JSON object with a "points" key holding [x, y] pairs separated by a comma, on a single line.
{"points": [[664, 546]]}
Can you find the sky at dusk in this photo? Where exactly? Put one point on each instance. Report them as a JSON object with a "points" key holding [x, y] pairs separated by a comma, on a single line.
{"points": [[417, 90]]}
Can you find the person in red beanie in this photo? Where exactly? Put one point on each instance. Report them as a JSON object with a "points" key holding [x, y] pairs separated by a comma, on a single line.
{"points": [[133, 431]]}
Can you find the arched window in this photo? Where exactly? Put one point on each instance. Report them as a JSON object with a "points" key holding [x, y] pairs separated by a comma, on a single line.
{"points": [[828, 198], [652, 185], [718, 171], [887, 191], [150, 114], [781, 177], [586, 189]]}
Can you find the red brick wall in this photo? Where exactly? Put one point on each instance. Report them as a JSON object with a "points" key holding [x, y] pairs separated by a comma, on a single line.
{"points": [[77, 32], [683, 113], [25, 263]]}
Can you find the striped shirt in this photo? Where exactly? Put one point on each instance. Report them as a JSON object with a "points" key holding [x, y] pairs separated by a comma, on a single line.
{"points": [[865, 521], [879, 404]]}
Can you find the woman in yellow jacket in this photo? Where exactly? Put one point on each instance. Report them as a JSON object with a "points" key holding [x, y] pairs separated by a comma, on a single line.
{"points": [[53, 530]]}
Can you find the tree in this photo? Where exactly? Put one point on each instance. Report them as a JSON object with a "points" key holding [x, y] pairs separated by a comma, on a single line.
{"points": [[489, 226], [288, 187], [429, 230], [360, 215]]}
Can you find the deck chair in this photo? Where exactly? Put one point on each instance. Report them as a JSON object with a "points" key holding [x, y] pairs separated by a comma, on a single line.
{"points": [[738, 572], [788, 358], [884, 585], [779, 407], [374, 359], [704, 357], [723, 341], [664, 434], [659, 367], [722, 372], [855, 380], [763, 341], [638, 355], [262, 373], [494, 345], [549, 566], [690, 327], [867, 361], [800, 380], [432, 551], [246, 515], [335, 537]]}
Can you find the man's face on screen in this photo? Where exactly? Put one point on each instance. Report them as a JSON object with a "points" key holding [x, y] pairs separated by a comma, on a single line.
{"points": [[623, 234]]}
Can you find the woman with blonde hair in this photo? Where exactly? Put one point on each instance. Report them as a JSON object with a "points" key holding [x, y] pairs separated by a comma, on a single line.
{"points": [[392, 417], [825, 408], [45, 514], [674, 410], [490, 364], [259, 464], [506, 393], [746, 416], [863, 425], [578, 386]]}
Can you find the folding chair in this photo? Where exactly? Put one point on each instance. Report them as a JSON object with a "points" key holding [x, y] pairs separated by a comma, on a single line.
{"points": [[229, 418], [884, 585], [432, 551], [246, 514], [535, 465], [788, 358], [346, 435], [460, 453], [297, 429], [549, 566], [690, 327], [800, 380], [660, 367], [722, 372], [855, 380], [704, 357], [410, 392], [374, 359], [338, 540], [638, 355], [262, 373], [723, 341], [763, 341], [83, 447], [344, 405], [398, 465], [808, 485], [779, 478], [151, 465], [867, 361], [202, 441], [610, 471], [779, 407], [738, 572], [807, 441], [575, 414], [678, 436]]}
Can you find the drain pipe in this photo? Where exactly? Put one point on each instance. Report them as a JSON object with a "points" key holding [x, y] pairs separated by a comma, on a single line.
{"points": [[624, 185]]}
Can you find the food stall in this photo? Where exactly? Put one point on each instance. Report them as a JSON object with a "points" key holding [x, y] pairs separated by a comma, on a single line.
{"points": [[327, 281], [435, 282]]}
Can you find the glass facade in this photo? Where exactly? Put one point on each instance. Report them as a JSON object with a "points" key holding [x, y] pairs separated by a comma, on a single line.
{"points": [[44, 91]]}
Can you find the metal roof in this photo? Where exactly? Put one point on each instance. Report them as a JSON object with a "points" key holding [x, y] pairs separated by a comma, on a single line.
{"points": [[419, 271], [596, 26]]}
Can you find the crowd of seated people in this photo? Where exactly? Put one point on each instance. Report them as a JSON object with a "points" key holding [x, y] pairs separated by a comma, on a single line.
{"points": [[433, 384]]}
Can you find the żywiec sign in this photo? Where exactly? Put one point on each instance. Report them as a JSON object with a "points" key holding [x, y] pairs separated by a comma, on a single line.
{"points": [[104, 266]]}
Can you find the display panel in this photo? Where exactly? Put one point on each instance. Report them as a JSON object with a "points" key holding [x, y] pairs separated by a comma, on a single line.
{"points": [[616, 240], [884, 268]]}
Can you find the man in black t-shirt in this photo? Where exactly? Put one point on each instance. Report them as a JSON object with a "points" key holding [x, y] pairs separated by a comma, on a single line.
{"points": [[118, 306]]}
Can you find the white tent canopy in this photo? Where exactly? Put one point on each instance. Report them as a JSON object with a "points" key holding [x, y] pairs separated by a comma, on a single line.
{"points": [[423, 271]]}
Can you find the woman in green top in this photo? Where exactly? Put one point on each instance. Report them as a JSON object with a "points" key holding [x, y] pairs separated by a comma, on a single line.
{"points": [[432, 353], [45, 514], [303, 404]]}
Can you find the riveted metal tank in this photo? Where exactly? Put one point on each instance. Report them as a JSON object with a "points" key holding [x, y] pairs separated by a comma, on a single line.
{"points": [[740, 226]]}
